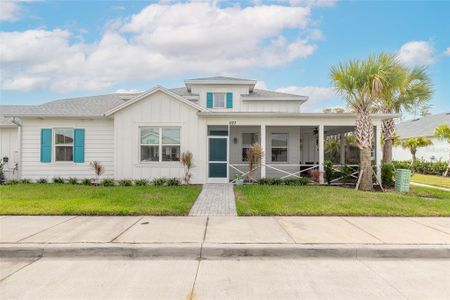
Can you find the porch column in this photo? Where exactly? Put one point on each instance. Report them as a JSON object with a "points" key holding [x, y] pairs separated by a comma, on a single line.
{"points": [[263, 147], [321, 153], [378, 151], [342, 138]]}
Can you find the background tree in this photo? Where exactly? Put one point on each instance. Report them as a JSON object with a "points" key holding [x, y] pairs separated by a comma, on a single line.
{"points": [[360, 83], [407, 90], [413, 144], [443, 132]]}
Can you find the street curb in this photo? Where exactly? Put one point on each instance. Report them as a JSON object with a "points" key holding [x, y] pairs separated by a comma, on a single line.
{"points": [[217, 251]]}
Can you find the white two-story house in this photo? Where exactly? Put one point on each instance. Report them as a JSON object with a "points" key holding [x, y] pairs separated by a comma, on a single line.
{"points": [[142, 135]]}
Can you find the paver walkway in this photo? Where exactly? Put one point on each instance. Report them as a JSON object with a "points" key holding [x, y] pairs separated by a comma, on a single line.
{"points": [[216, 199]]}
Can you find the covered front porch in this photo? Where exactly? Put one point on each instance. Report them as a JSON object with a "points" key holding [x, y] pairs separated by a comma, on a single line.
{"points": [[289, 150]]}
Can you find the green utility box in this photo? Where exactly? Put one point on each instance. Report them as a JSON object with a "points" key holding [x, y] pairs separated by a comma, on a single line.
{"points": [[402, 177]]}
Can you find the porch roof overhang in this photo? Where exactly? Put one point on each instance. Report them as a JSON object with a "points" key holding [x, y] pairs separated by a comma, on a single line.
{"points": [[210, 114]]}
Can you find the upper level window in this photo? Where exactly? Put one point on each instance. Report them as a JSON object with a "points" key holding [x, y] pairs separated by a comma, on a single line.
{"points": [[248, 139], [63, 144], [160, 144], [219, 100], [279, 147]]}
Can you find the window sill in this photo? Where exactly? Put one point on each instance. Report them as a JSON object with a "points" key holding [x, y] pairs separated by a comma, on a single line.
{"points": [[158, 164]]}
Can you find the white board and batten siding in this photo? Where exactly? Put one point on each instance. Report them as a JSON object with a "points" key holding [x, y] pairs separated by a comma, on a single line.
{"points": [[99, 146], [158, 110]]}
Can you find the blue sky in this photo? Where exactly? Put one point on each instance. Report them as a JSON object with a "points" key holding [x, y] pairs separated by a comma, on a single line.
{"points": [[59, 49]]}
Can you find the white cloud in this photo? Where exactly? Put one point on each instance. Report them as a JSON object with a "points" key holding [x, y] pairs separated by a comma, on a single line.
{"points": [[161, 40], [318, 96], [128, 91], [9, 10], [447, 52], [417, 53], [261, 85]]}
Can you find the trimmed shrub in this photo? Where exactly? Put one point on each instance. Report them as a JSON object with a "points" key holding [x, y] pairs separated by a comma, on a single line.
{"points": [[141, 182], [108, 182], [423, 167], [346, 173], [58, 180], [13, 181], [270, 181], [387, 174], [296, 181], [329, 171], [125, 182], [42, 180], [173, 181], [159, 181], [72, 180], [86, 181], [25, 181]]}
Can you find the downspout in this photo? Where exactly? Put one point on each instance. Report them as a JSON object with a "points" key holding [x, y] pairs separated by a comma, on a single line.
{"points": [[19, 144]]}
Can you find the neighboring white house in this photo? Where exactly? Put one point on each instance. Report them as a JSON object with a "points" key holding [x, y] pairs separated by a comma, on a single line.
{"points": [[142, 135], [423, 127]]}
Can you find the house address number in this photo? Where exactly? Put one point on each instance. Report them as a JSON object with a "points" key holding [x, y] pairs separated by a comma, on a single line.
{"points": [[232, 122]]}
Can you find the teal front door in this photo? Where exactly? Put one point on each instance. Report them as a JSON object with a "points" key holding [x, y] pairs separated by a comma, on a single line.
{"points": [[217, 158]]}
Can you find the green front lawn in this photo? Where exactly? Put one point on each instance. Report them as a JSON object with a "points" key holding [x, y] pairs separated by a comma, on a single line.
{"points": [[431, 180], [67, 199], [261, 200]]}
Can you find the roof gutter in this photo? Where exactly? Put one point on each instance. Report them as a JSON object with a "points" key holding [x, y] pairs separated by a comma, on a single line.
{"points": [[291, 115]]}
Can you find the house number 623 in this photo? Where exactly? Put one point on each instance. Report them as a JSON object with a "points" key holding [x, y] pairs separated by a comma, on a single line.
{"points": [[232, 123]]}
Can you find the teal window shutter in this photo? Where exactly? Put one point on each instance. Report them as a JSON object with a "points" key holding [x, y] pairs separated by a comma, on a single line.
{"points": [[229, 100], [46, 145], [209, 100], [78, 145]]}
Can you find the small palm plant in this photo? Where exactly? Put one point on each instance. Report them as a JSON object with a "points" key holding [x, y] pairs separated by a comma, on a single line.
{"points": [[98, 169], [187, 162], [413, 144], [443, 132], [255, 154]]}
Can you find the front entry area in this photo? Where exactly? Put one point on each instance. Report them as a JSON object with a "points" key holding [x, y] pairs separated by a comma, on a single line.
{"points": [[217, 159]]}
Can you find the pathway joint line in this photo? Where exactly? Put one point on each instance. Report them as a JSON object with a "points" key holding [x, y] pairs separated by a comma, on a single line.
{"points": [[363, 230], [126, 229], [21, 268], [47, 229], [431, 227], [277, 220]]}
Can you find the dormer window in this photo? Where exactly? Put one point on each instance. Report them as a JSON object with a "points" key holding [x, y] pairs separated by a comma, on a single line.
{"points": [[219, 100]]}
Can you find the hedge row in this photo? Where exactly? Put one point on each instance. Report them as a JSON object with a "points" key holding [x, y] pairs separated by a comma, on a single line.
{"points": [[104, 182], [423, 167]]}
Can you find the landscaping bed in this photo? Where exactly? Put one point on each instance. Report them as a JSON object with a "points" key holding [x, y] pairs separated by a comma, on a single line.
{"points": [[263, 200], [68, 199]]}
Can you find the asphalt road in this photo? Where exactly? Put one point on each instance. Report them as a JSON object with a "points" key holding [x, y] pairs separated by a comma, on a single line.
{"points": [[245, 278]]}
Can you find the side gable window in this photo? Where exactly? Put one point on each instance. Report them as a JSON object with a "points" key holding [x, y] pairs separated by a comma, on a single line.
{"points": [[159, 144], [64, 138]]}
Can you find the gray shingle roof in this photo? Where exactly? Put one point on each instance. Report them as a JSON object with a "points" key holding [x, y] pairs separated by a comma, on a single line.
{"points": [[266, 94], [93, 106], [423, 127], [182, 91]]}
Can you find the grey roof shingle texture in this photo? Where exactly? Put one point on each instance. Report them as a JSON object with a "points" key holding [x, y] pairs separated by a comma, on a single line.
{"points": [[96, 106], [423, 127]]}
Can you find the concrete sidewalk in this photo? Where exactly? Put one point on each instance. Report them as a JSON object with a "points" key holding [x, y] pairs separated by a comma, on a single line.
{"points": [[224, 236]]}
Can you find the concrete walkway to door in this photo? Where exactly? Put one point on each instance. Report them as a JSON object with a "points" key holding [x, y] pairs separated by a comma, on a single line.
{"points": [[216, 199]]}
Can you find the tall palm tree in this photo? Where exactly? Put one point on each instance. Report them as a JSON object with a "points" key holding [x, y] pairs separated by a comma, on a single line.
{"points": [[406, 90], [443, 132], [360, 83]]}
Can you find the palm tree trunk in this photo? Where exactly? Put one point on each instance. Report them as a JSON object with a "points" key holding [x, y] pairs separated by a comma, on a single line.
{"points": [[364, 134], [388, 128], [413, 153], [448, 166], [387, 151]]}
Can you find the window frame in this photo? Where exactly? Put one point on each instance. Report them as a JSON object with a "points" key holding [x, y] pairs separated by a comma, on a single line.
{"points": [[279, 147], [224, 100], [54, 146], [160, 144], [247, 146]]}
